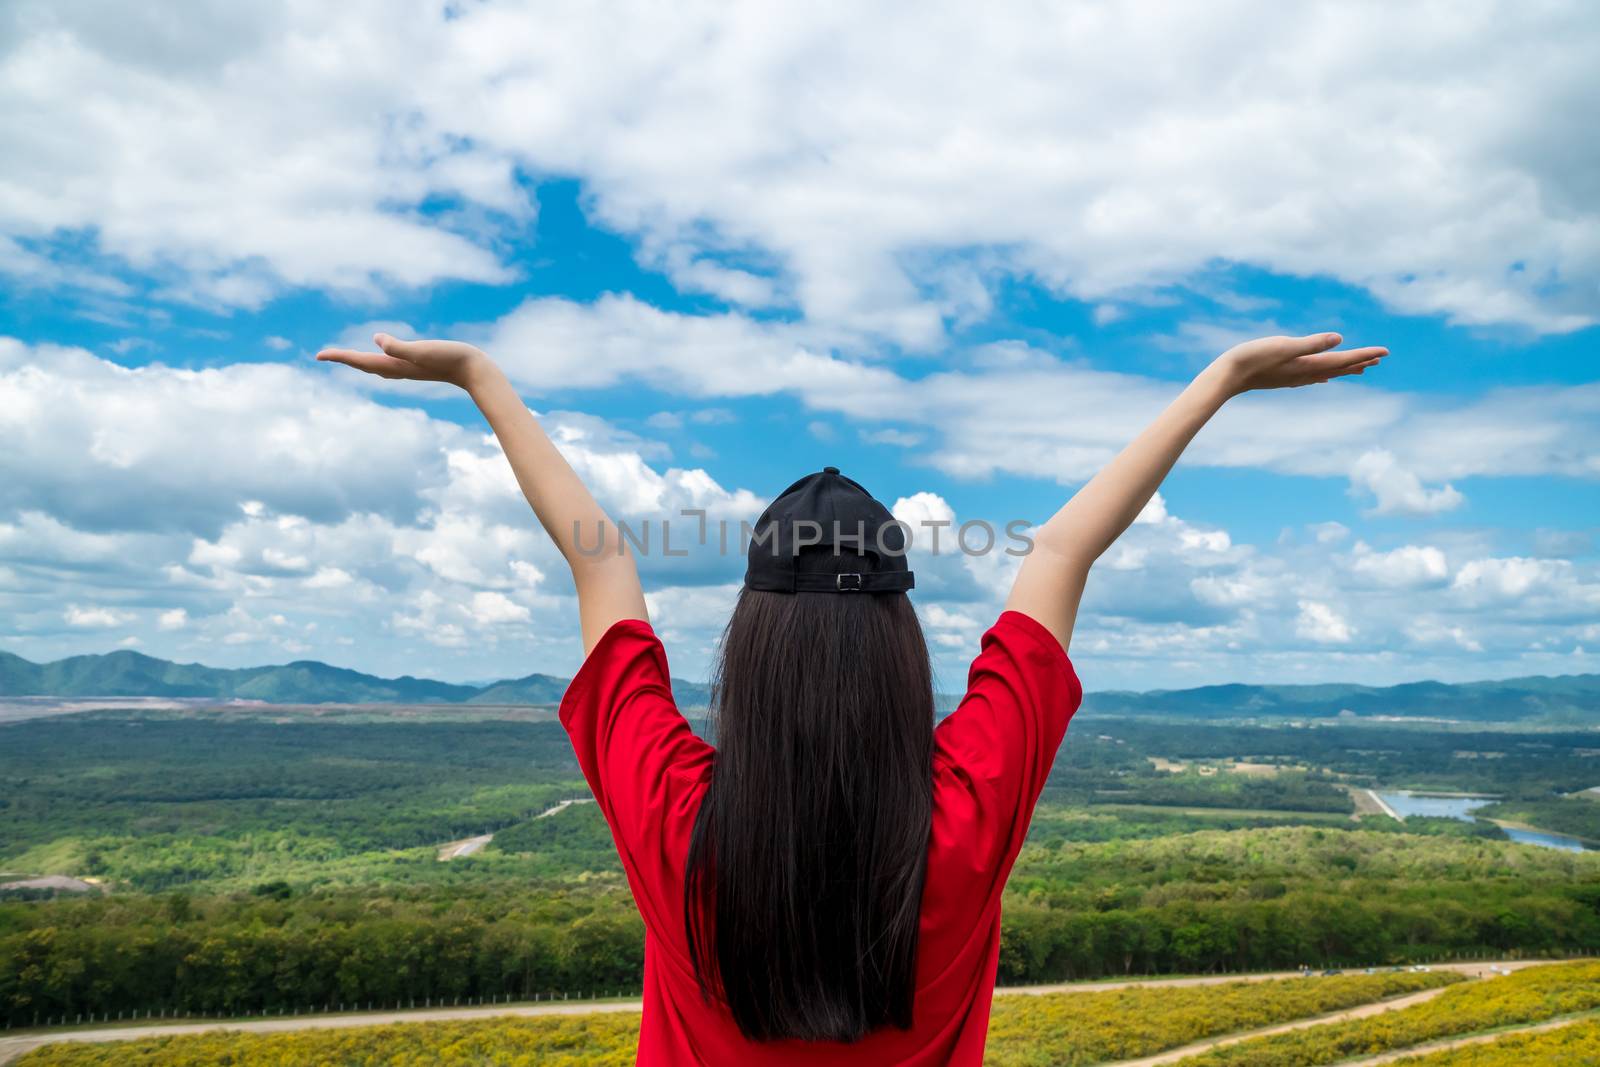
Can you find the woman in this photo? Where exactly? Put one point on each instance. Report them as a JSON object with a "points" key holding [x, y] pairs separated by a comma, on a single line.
{"points": [[823, 887]]}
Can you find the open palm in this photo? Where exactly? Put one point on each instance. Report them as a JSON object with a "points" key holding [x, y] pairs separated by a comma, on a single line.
{"points": [[1286, 362], [426, 361]]}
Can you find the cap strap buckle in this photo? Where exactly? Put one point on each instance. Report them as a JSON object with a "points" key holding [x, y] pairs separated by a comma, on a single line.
{"points": [[854, 587]]}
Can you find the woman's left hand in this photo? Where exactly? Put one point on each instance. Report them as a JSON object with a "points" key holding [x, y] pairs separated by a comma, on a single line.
{"points": [[455, 362]]}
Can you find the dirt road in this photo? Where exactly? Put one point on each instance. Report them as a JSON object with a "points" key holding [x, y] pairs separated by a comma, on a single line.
{"points": [[564, 805], [1376, 1008], [12, 1047], [1475, 1039], [467, 846], [457, 849]]}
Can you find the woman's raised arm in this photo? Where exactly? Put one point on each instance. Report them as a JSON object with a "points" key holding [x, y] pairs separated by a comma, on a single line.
{"points": [[607, 580], [1050, 582]]}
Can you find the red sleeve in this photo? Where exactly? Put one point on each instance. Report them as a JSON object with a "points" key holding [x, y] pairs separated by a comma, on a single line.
{"points": [[995, 750], [646, 768]]}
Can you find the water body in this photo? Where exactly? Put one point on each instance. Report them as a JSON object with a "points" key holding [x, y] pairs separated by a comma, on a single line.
{"points": [[1408, 804], [1545, 839], [1456, 807]]}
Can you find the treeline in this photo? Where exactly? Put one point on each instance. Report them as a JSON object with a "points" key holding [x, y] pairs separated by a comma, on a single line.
{"points": [[266, 952], [1483, 761], [1206, 902], [1287, 791], [1248, 900], [1355, 926]]}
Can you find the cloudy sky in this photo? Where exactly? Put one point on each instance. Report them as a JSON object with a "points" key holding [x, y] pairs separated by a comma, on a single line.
{"points": [[963, 253]]}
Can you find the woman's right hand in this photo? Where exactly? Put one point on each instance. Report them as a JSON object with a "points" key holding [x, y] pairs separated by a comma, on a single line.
{"points": [[1287, 362], [455, 362]]}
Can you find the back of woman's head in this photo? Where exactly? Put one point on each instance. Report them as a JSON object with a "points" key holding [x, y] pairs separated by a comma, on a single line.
{"points": [[804, 880]]}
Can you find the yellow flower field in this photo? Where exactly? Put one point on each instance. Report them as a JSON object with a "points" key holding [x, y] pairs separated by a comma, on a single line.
{"points": [[1051, 1030], [1527, 996], [1577, 1045]]}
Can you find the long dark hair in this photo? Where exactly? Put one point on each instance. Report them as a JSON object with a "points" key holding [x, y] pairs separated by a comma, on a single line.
{"points": [[803, 887]]}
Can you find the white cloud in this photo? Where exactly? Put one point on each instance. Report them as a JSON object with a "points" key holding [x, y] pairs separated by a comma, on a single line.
{"points": [[36, 538], [1105, 314], [1204, 542], [438, 545], [822, 431], [1397, 490], [619, 338], [1232, 590], [891, 436], [1328, 533], [104, 446], [1511, 577], [761, 111], [491, 608], [1321, 623], [953, 630], [1036, 415], [310, 191], [820, 158], [1430, 631], [329, 578], [1406, 567], [689, 619], [922, 511], [402, 542], [424, 622], [1154, 510], [93, 617]]}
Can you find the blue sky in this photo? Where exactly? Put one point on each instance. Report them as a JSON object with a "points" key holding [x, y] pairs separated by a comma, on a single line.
{"points": [[726, 250]]}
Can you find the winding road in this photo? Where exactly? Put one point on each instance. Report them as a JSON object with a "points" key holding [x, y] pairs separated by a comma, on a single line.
{"points": [[1471, 1039], [12, 1047], [466, 847]]}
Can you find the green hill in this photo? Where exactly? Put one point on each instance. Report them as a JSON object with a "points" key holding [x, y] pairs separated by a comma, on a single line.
{"points": [[534, 689]]}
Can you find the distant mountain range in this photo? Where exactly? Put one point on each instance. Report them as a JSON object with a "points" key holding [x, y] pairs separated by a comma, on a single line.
{"points": [[1573, 697], [130, 674], [1569, 697]]}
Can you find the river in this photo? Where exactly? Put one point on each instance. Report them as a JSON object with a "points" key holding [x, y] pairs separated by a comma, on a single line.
{"points": [[1461, 807], [1545, 839]]}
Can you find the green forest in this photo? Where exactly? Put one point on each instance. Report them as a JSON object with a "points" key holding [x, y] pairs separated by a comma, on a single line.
{"points": [[279, 862]]}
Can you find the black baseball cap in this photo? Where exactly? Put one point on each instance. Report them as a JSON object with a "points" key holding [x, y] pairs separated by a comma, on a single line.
{"points": [[796, 543]]}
